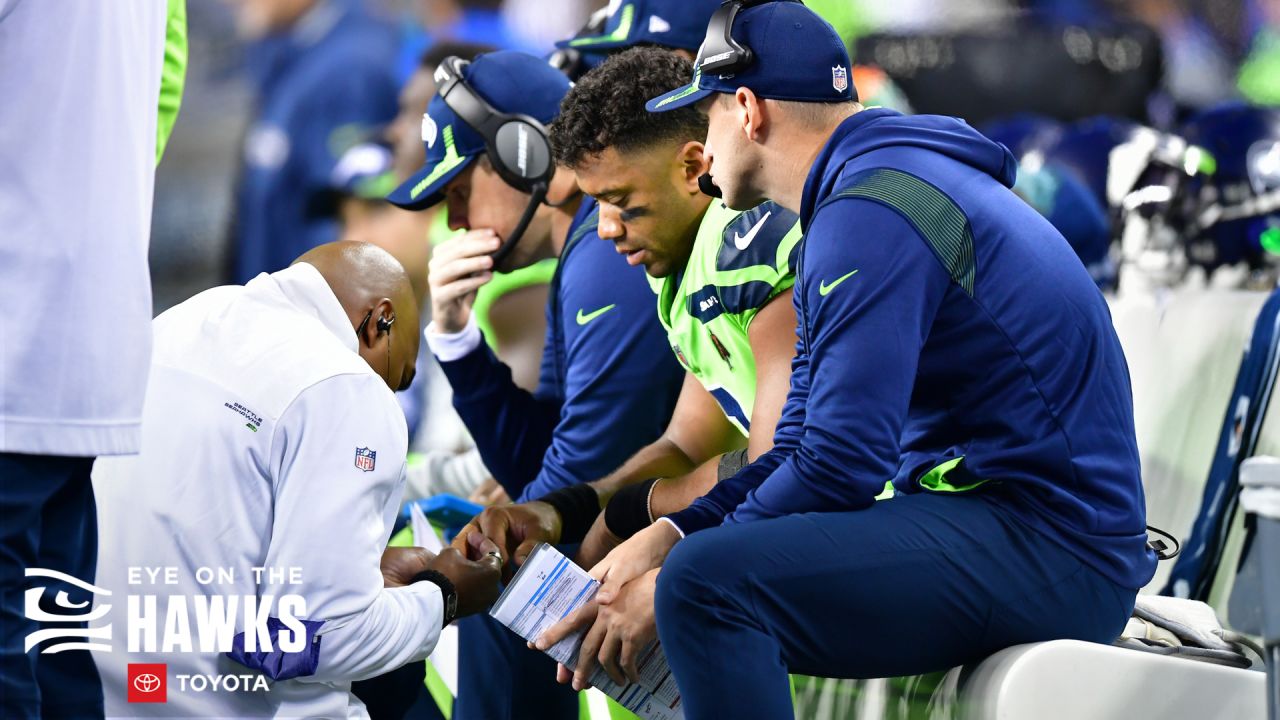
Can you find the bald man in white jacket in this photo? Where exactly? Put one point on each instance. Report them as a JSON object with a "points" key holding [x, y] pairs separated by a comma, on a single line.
{"points": [[272, 440]]}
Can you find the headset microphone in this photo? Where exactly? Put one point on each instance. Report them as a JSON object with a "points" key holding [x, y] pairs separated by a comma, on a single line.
{"points": [[708, 187]]}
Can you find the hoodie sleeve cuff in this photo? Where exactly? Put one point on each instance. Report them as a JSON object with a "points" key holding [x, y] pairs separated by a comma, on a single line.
{"points": [[698, 516], [448, 347]]}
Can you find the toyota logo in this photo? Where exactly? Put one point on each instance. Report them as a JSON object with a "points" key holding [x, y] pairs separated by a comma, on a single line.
{"points": [[146, 682]]}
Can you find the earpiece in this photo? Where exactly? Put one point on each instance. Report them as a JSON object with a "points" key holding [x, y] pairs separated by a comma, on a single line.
{"points": [[384, 325]]}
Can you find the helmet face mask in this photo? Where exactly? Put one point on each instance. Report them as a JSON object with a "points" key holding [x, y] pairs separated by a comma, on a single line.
{"points": [[1208, 197]]}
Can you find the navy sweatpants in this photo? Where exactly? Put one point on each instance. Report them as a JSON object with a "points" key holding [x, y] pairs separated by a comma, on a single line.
{"points": [[48, 519], [914, 584]]}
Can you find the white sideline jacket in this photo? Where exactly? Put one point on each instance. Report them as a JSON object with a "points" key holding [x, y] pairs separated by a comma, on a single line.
{"points": [[256, 404], [79, 88]]}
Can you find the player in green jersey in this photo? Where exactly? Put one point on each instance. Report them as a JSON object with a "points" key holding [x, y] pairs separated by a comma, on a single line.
{"points": [[723, 283]]}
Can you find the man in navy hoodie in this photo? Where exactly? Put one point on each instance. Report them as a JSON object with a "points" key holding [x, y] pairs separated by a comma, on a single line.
{"points": [[948, 341]]}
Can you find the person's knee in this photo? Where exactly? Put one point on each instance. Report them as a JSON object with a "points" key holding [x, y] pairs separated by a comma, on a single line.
{"points": [[699, 569]]}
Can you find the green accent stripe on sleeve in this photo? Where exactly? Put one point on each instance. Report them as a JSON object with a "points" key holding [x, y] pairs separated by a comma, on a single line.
{"points": [[934, 215]]}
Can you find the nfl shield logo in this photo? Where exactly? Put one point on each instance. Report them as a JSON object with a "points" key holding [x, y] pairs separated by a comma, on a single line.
{"points": [[365, 459], [839, 78]]}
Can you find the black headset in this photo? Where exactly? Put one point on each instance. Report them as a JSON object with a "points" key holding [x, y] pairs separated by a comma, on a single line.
{"points": [[518, 146], [722, 55]]}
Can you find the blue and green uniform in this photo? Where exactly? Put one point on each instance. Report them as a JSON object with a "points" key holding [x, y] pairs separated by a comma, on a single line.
{"points": [[739, 263]]}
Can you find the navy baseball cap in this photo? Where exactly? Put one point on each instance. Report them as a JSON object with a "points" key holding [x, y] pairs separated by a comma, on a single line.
{"points": [[669, 23], [795, 55], [511, 82]]}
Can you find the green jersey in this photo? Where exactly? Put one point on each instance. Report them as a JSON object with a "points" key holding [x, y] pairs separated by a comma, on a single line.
{"points": [[740, 261]]}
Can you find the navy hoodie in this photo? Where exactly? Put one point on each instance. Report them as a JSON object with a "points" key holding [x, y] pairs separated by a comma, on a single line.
{"points": [[949, 341]]}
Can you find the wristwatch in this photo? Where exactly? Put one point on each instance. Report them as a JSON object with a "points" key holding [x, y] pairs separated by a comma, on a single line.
{"points": [[447, 592]]}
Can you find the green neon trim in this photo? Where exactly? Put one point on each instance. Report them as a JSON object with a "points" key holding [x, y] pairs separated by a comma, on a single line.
{"points": [[439, 691], [936, 479], [1270, 239], [619, 34], [173, 73], [934, 215], [450, 161], [693, 88], [376, 187], [538, 273]]}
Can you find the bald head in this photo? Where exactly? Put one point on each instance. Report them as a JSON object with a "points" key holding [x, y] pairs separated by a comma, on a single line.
{"points": [[375, 292]]}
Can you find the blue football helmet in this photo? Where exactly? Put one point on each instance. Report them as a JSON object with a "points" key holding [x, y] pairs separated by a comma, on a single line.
{"points": [[1233, 208]]}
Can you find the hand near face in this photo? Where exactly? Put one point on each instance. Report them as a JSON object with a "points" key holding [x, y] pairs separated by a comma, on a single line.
{"points": [[458, 268]]}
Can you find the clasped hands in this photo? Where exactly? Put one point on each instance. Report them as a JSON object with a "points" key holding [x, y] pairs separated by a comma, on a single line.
{"points": [[619, 621]]}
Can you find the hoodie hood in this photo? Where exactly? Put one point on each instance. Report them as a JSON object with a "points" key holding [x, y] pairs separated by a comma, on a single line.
{"points": [[880, 128]]}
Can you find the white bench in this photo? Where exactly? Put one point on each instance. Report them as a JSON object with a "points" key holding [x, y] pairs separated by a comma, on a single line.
{"points": [[1184, 354], [1071, 680]]}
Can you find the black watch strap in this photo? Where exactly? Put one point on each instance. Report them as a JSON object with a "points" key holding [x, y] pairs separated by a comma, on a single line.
{"points": [[447, 592]]}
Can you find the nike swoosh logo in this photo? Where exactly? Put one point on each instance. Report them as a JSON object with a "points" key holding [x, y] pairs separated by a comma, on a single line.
{"points": [[824, 288], [583, 319], [742, 241]]}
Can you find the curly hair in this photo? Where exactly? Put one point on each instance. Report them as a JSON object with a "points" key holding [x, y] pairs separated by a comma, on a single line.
{"points": [[606, 107]]}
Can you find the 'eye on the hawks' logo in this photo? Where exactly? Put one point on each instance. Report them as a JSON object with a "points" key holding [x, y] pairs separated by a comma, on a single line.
{"points": [[365, 459]]}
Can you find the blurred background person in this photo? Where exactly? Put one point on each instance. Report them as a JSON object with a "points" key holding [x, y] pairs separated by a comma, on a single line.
{"points": [[323, 72]]}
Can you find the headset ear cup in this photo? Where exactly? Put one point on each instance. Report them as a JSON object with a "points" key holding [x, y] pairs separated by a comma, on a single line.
{"points": [[521, 153]]}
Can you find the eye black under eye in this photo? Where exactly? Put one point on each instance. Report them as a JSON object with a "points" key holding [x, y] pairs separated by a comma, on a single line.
{"points": [[633, 213]]}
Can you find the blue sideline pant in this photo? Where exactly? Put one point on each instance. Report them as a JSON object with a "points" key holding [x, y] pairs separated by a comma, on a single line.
{"points": [[500, 678], [915, 584], [48, 519]]}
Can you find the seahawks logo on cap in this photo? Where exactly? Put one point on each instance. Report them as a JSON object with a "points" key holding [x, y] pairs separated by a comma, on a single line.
{"points": [[429, 130], [839, 78]]}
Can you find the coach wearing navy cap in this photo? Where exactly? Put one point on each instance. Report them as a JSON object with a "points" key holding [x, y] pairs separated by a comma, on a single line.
{"points": [[949, 341]]}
